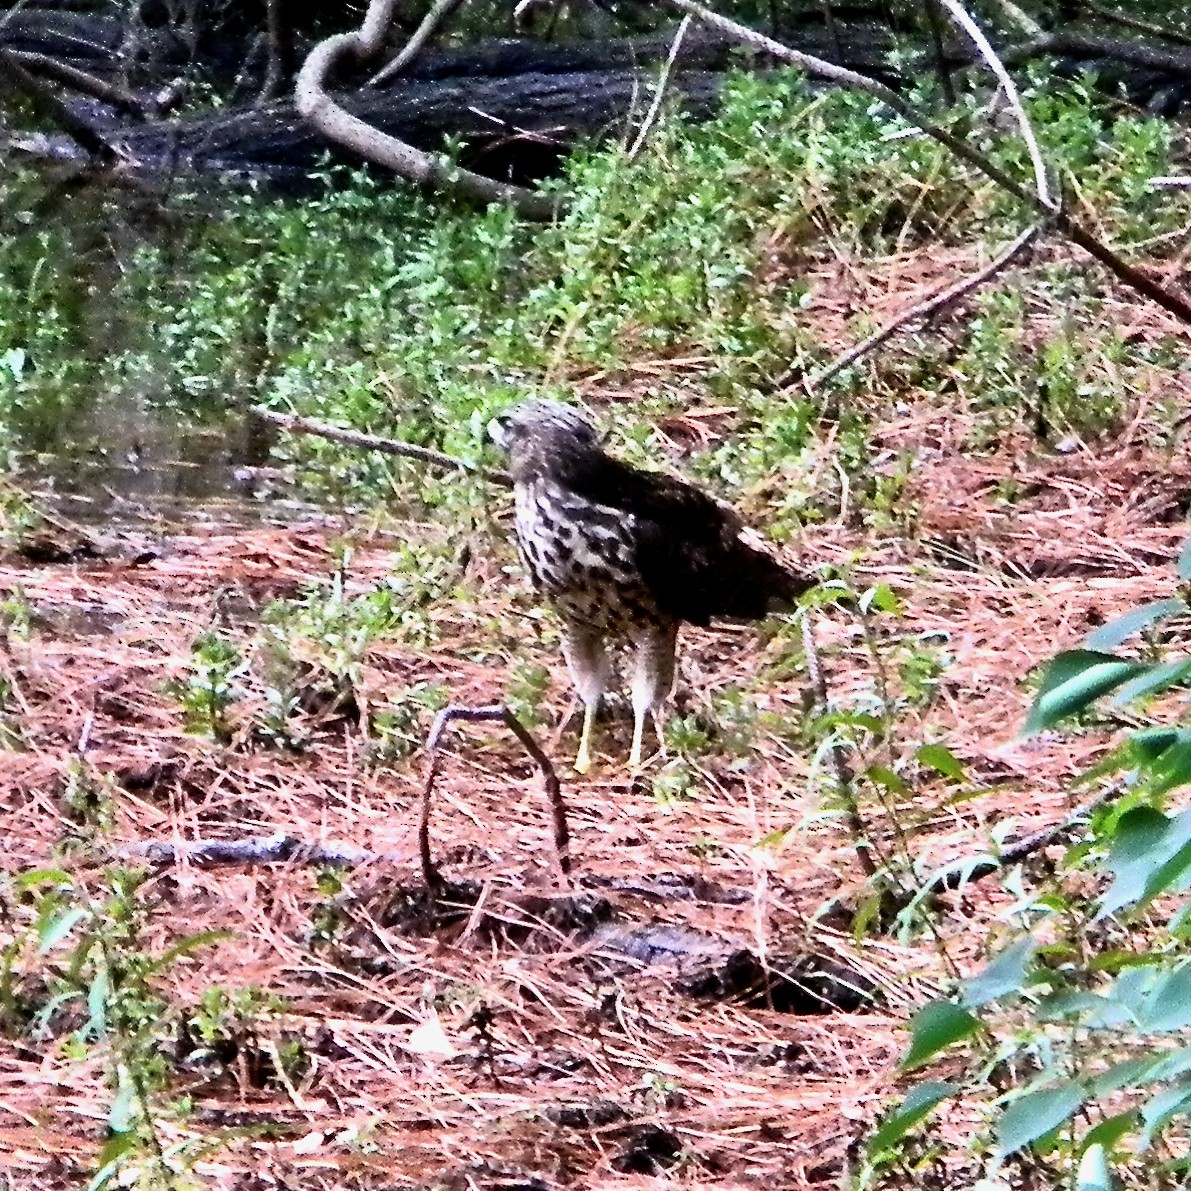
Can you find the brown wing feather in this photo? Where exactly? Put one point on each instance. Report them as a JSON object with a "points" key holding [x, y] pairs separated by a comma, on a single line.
{"points": [[687, 547]]}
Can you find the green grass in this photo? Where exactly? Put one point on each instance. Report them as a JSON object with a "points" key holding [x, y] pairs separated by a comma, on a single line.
{"points": [[367, 304]]}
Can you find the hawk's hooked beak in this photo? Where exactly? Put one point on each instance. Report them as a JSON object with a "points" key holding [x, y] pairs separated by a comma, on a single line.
{"points": [[499, 433]]}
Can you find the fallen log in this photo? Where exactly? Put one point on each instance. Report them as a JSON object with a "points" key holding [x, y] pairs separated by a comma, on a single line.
{"points": [[518, 107]]}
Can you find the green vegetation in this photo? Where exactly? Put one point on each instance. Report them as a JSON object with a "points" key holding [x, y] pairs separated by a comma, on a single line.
{"points": [[1072, 1032], [366, 304]]}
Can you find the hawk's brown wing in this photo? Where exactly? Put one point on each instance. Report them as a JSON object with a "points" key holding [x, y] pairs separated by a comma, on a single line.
{"points": [[690, 551]]}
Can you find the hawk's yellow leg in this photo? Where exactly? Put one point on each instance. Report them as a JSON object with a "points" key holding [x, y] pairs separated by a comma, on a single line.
{"points": [[638, 738], [652, 679], [583, 760]]}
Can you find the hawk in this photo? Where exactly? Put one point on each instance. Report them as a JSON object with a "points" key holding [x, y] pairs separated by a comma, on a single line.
{"points": [[626, 556]]}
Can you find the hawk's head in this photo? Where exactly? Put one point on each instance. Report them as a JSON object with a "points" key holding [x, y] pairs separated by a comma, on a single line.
{"points": [[537, 433]]}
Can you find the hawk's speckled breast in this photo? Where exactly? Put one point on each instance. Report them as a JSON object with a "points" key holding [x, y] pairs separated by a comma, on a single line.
{"points": [[580, 556]]}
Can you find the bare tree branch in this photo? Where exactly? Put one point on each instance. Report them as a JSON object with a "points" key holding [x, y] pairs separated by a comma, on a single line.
{"points": [[659, 95], [421, 35], [336, 123], [1151, 28], [374, 442], [502, 715], [820, 68], [969, 26], [918, 312], [1085, 45]]}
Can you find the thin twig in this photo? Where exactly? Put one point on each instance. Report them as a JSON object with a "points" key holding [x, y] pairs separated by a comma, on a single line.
{"points": [[374, 442], [918, 312], [1134, 23], [954, 878], [500, 714], [843, 775], [656, 106], [421, 35], [849, 78], [960, 16]]}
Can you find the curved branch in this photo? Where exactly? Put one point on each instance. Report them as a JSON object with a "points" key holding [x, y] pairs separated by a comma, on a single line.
{"points": [[421, 35], [319, 110], [501, 714]]}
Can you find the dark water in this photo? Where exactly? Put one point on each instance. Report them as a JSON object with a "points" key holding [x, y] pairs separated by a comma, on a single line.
{"points": [[117, 453]]}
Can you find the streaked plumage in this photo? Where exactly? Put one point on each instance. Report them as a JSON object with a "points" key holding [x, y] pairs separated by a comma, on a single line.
{"points": [[625, 556]]}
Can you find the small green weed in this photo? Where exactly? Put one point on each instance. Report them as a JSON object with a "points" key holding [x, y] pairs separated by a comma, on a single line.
{"points": [[400, 728], [76, 969], [675, 782], [211, 687], [529, 684]]}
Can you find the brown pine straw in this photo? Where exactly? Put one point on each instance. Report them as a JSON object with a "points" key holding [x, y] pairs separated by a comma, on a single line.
{"points": [[755, 1097]]}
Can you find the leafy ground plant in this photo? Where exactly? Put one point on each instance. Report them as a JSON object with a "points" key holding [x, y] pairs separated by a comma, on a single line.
{"points": [[1074, 1031], [77, 976]]}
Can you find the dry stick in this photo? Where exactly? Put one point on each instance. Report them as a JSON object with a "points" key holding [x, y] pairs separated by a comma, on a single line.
{"points": [[319, 110], [920, 311], [969, 26], [80, 80], [656, 106], [1023, 849], [1090, 46], [260, 849], [374, 442], [421, 35], [850, 78], [501, 714], [843, 775], [16, 79], [1128, 22]]}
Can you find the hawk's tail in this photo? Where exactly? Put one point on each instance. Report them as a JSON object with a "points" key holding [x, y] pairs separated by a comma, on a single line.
{"points": [[755, 583]]}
